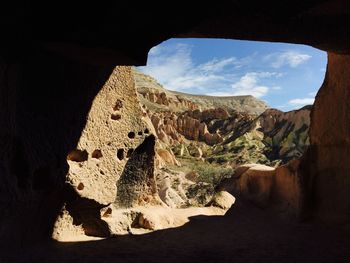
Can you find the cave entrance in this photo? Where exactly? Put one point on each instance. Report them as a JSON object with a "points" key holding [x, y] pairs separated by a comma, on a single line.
{"points": [[216, 118], [219, 104]]}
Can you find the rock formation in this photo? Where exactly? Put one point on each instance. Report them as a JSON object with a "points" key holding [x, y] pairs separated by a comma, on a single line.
{"points": [[113, 162], [267, 187], [49, 79], [198, 146], [325, 168], [156, 98], [112, 169], [238, 137], [286, 133]]}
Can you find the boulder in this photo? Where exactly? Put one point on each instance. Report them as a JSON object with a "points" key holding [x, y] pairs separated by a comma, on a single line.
{"points": [[223, 200], [278, 188], [255, 184]]}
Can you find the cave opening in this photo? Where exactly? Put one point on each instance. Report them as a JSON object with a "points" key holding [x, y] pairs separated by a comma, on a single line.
{"points": [[227, 123], [221, 105], [49, 79]]}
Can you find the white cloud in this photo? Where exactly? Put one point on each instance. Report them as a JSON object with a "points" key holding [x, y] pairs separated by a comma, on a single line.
{"points": [[288, 58], [217, 65], [166, 64], [173, 66], [248, 84], [304, 101]]}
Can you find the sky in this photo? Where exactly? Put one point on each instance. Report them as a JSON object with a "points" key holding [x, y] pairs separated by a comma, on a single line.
{"points": [[285, 76]]}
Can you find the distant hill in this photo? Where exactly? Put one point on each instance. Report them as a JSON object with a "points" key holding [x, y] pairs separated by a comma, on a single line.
{"points": [[154, 93], [247, 103]]}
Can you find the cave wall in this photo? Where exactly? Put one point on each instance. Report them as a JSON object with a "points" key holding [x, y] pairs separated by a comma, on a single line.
{"points": [[49, 79], [69, 132], [44, 102], [115, 151], [326, 165]]}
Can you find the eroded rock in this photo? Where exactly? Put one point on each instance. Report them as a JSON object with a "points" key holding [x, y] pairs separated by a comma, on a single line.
{"points": [[267, 187], [222, 200], [111, 163]]}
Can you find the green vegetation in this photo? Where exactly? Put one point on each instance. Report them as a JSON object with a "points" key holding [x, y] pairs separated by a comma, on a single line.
{"points": [[211, 173]]}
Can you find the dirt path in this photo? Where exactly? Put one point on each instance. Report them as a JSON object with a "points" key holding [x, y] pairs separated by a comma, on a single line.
{"points": [[244, 234]]}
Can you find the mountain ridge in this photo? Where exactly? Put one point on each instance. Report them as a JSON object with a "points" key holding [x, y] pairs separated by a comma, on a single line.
{"points": [[151, 89]]}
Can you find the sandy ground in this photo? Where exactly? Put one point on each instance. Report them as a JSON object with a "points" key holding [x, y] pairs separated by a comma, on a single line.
{"points": [[244, 234]]}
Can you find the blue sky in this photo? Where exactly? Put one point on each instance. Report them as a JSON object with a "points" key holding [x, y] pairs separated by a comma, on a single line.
{"points": [[285, 76]]}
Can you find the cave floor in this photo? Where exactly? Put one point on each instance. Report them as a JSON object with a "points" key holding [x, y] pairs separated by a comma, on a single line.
{"points": [[244, 234]]}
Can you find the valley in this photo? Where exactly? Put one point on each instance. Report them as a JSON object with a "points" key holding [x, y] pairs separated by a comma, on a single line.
{"points": [[203, 139]]}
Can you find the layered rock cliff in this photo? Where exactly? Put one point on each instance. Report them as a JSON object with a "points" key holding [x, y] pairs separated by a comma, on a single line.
{"points": [[156, 98], [236, 133]]}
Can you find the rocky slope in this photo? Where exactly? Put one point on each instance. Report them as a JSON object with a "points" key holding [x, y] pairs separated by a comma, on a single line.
{"points": [[156, 98]]}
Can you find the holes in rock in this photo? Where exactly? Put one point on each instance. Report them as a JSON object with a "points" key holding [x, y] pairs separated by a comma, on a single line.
{"points": [[120, 154], [129, 153], [118, 105], [146, 131], [77, 156], [131, 135], [97, 154], [80, 186], [101, 172], [108, 212], [116, 117]]}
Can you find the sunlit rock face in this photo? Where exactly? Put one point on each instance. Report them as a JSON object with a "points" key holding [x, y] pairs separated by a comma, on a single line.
{"points": [[285, 133], [278, 188], [113, 161]]}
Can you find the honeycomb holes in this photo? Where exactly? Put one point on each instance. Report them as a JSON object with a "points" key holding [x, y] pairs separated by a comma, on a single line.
{"points": [[118, 105], [80, 186], [97, 154], [77, 155], [120, 154], [131, 135], [116, 117]]}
